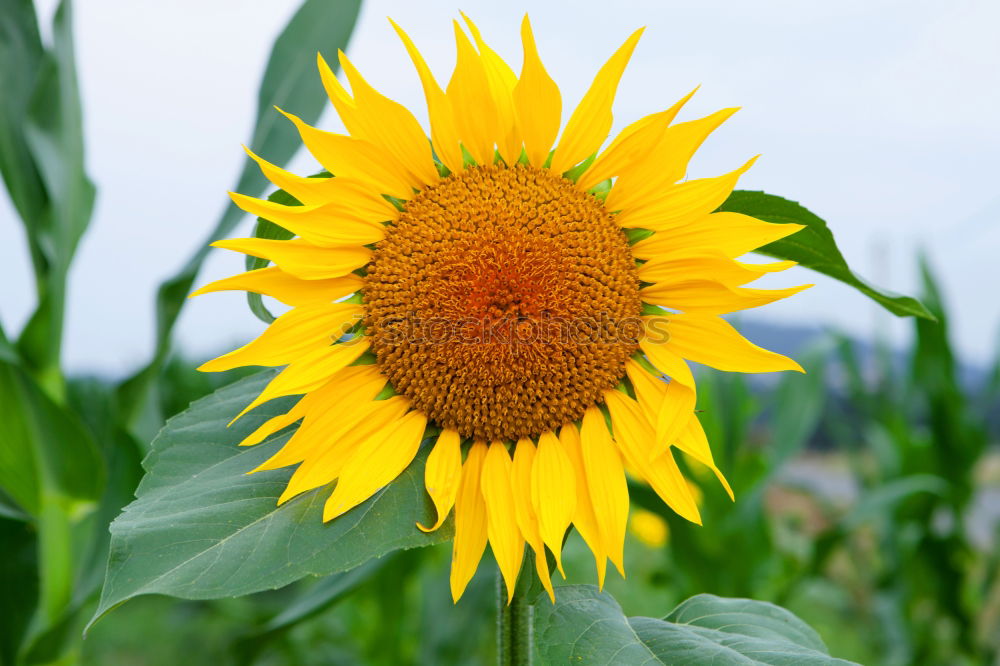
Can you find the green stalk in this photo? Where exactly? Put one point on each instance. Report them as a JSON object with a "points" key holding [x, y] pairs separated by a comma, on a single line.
{"points": [[515, 641]]}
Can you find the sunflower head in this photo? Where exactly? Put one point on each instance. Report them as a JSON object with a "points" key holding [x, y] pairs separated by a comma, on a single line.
{"points": [[526, 293]]}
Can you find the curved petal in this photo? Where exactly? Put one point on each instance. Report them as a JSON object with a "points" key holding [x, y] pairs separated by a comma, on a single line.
{"points": [[732, 234], [472, 102], [328, 446], [470, 522], [375, 462], [553, 493], [665, 164], [442, 475], [291, 335], [502, 81], [605, 474], [290, 290], [635, 437], [655, 344], [364, 201], [375, 118], [712, 341], [584, 516], [679, 205], [711, 297], [591, 121], [301, 258], [444, 130], [355, 158], [693, 442], [501, 525], [524, 512], [668, 406], [309, 372], [322, 225], [706, 265], [537, 102], [633, 144]]}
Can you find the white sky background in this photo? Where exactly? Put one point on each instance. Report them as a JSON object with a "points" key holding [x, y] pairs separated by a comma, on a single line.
{"points": [[880, 116]]}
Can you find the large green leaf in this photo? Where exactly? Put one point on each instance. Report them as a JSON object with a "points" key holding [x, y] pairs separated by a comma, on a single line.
{"points": [[290, 82], [54, 134], [589, 627], [20, 59], [202, 528], [45, 450], [815, 248]]}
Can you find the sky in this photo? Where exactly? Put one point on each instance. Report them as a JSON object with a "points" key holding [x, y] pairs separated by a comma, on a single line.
{"points": [[878, 115]]}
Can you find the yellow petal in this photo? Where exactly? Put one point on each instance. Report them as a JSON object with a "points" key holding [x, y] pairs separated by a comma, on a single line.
{"points": [[655, 344], [584, 517], [635, 439], [379, 120], [442, 475], [470, 522], [633, 144], [732, 234], [679, 205], [357, 159], [665, 164], [692, 441], [537, 102], [290, 290], [524, 512], [330, 445], [712, 341], [591, 121], [713, 298], [501, 81], [504, 534], [269, 427], [553, 493], [605, 475], [444, 130], [301, 258], [309, 372], [345, 395], [291, 335], [472, 102], [376, 462], [668, 407], [706, 265], [327, 225], [362, 199]]}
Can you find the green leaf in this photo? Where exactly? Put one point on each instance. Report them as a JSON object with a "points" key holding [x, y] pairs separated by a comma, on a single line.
{"points": [[20, 59], [290, 82], [54, 135], [880, 502], [201, 527], [815, 248], [587, 626], [46, 450]]}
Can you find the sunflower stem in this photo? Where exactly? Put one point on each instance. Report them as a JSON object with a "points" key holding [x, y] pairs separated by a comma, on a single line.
{"points": [[515, 620]]}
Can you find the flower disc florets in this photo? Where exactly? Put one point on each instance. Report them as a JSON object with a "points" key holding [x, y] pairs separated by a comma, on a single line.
{"points": [[503, 302]]}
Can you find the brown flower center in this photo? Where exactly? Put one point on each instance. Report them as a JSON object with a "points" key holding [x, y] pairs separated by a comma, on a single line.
{"points": [[503, 302]]}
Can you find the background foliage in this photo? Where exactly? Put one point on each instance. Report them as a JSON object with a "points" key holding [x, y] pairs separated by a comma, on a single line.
{"points": [[860, 485]]}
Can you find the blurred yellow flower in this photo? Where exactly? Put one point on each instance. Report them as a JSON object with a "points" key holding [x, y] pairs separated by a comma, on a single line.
{"points": [[649, 528], [508, 286]]}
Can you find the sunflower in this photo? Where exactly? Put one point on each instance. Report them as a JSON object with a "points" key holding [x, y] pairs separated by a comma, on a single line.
{"points": [[521, 299]]}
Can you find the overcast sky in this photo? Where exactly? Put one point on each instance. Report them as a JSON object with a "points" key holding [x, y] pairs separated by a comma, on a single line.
{"points": [[880, 116]]}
